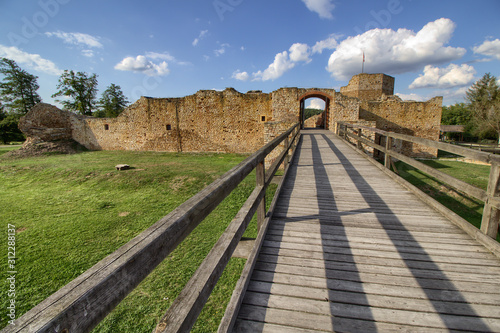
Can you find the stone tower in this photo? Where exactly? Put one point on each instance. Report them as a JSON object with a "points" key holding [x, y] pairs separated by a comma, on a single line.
{"points": [[369, 86]]}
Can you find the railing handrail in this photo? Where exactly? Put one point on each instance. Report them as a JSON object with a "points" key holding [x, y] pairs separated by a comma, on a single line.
{"points": [[490, 197], [84, 302]]}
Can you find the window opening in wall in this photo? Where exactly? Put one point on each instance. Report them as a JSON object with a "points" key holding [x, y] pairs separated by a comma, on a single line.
{"points": [[169, 127], [106, 127], [263, 118]]}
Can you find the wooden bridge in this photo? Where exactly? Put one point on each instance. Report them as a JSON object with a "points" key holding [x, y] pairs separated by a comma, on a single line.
{"points": [[344, 247], [350, 250]]}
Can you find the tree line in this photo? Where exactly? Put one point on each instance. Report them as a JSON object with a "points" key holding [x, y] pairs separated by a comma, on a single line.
{"points": [[480, 114], [76, 91]]}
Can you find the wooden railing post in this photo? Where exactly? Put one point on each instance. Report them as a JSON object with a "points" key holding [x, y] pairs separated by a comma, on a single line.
{"points": [[287, 156], [261, 179], [359, 139], [388, 146], [491, 215]]}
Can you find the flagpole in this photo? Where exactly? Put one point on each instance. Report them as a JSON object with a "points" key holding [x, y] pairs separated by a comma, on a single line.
{"points": [[363, 65]]}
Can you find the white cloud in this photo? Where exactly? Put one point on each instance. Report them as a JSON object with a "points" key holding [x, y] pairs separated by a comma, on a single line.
{"points": [[323, 8], [300, 52], [34, 61], [395, 52], [202, 34], [330, 43], [449, 77], [76, 38], [489, 48], [316, 103], [221, 50], [242, 76], [412, 97], [142, 64], [275, 70], [88, 53], [285, 61]]}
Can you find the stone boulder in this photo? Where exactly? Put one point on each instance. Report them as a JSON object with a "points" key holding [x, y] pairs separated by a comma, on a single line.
{"points": [[46, 122]]}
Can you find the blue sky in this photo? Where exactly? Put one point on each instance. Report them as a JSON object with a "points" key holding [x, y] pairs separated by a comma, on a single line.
{"points": [[173, 48]]}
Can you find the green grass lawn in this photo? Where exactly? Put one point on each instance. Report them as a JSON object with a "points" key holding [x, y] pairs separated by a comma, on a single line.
{"points": [[70, 211], [468, 208]]}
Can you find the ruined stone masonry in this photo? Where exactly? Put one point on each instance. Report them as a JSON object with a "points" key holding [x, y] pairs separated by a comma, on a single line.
{"points": [[230, 121]]}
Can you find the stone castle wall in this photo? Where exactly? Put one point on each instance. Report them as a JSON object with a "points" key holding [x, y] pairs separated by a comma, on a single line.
{"points": [[369, 86], [230, 121]]}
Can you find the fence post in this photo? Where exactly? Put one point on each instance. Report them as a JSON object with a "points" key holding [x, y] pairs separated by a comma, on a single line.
{"points": [[359, 139], [388, 146], [491, 215], [261, 179], [287, 156]]}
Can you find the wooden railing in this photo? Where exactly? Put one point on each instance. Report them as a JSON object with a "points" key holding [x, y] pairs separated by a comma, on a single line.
{"points": [[490, 197], [84, 302]]}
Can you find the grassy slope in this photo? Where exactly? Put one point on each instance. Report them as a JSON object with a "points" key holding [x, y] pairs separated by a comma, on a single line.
{"points": [[71, 211], [468, 208]]}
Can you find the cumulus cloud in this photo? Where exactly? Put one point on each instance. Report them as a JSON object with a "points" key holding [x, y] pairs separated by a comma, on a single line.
{"points": [[490, 48], [395, 52], [316, 103], [330, 43], [76, 38], [412, 97], [34, 61], [242, 76], [202, 34], [300, 52], [285, 61], [449, 77], [280, 65], [323, 8], [142, 64]]}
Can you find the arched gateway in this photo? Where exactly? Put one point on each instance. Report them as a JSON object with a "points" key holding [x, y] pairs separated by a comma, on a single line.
{"points": [[315, 94]]}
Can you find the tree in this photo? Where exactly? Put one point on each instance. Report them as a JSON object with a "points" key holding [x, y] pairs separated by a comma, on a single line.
{"points": [[8, 126], [112, 102], [18, 89], [484, 103], [458, 114], [80, 90]]}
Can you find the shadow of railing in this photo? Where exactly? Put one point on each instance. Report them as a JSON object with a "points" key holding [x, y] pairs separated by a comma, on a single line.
{"points": [[440, 281]]}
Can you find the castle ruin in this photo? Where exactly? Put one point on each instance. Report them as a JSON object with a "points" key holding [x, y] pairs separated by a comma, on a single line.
{"points": [[230, 121]]}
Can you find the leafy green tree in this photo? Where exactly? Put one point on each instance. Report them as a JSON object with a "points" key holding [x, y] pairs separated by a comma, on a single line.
{"points": [[308, 113], [484, 103], [9, 130], [458, 114], [79, 90], [18, 88], [112, 102]]}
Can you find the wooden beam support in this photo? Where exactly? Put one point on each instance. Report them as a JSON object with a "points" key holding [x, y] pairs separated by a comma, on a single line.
{"points": [[261, 180], [491, 215]]}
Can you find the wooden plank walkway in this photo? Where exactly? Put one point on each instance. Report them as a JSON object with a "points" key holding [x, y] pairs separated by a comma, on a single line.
{"points": [[350, 250]]}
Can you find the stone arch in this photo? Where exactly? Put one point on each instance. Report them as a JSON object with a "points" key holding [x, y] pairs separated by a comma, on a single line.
{"points": [[315, 94]]}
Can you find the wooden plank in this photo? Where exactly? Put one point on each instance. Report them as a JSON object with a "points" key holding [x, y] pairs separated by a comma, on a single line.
{"points": [[361, 313], [380, 301], [422, 256], [442, 284], [314, 322], [415, 264], [369, 288], [431, 272]]}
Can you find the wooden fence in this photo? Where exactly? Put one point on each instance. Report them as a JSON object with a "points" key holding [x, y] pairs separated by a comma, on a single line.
{"points": [[490, 197], [84, 302]]}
